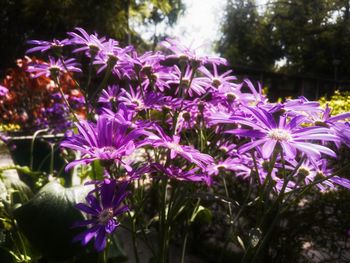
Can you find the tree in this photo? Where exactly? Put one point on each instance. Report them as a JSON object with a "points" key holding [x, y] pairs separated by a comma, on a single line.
{"points": [[247, 36], [310, 36]]}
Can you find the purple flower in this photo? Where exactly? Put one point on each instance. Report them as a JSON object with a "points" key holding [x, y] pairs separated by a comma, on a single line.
{"points": [[173, 144], [192, 175], [229, 164], [116, 58], [186, 81], [109, 96], [102, 213], [336, 124], [3, 91], [138, 101], [92, 44], [215, 80], [146, 63], [54, 68], [187, 54], [109, 140], [302, 106], [289, 135], [44, 46], [309, 171]]}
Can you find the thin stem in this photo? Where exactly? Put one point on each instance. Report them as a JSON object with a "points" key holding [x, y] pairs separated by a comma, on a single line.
{"points": [[133, 231], [57, 81], [103, 83], [163, 224], [183, 250], [31, 160], [52, 157]]}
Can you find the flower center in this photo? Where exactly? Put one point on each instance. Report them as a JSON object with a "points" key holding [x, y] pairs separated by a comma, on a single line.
{"points": [[138, 102], [107, 149], [174, 146], [54, 71], [303, 171], [185, 82], [230, 97], [279, 135], [216, 82], [105, 215]]}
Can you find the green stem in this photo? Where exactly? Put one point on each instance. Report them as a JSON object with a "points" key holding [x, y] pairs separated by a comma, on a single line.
{"points": [[133, 228], [31, 160], [163, 231], [57, 81], [103, 83], [183, 250]]}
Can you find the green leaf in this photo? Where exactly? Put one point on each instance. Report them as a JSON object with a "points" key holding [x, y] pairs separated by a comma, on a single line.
{"points": [[202, 214], [20, 192], [47, 220]]}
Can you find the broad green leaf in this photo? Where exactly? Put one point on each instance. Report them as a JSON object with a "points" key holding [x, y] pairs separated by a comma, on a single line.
{"points": [[47, 219]]}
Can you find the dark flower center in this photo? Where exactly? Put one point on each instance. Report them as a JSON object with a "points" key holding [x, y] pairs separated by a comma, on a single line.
{"points": [[216, 82], [105, 215]]}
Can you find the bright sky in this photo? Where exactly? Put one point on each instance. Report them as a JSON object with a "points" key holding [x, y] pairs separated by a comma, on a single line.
{"points": [[199, 27]]}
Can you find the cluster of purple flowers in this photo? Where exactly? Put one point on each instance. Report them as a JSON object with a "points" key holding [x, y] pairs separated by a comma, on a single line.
{"points": [[185, 117]]}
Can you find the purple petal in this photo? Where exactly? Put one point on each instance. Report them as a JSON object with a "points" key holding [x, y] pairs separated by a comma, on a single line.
{"points": [[101, 239], [268, 148], [86, 209], [111, 226], [107, 193]]}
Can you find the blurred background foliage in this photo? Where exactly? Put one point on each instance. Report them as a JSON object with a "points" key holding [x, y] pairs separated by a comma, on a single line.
{"points": [[339, 102]]}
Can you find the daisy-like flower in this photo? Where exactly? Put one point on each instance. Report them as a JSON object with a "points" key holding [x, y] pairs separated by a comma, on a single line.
{"points": [[116, 58], [147, 62], [187, 54], [186, 81], [309, 171], [44, 46], [214, 79], [108, 141], [54, 68], [134, 99], [228, 164], [302, 106], [289, 135], [337, 124], [109, 96], [173, 144], [91, 44], [192, 175], [3, 91], [102, 213]]}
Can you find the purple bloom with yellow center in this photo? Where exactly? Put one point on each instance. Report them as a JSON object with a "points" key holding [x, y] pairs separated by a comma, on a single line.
{"points": [[115, 58], [310, 171], [3, 91], [109, 140], [289, 135], [173, 144], [102, 213], [54, 68], [138, 100], [109, 96], [192, 175], [44, 46], [216, 80], [188, 54], [185, 80], [91, 44]]}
